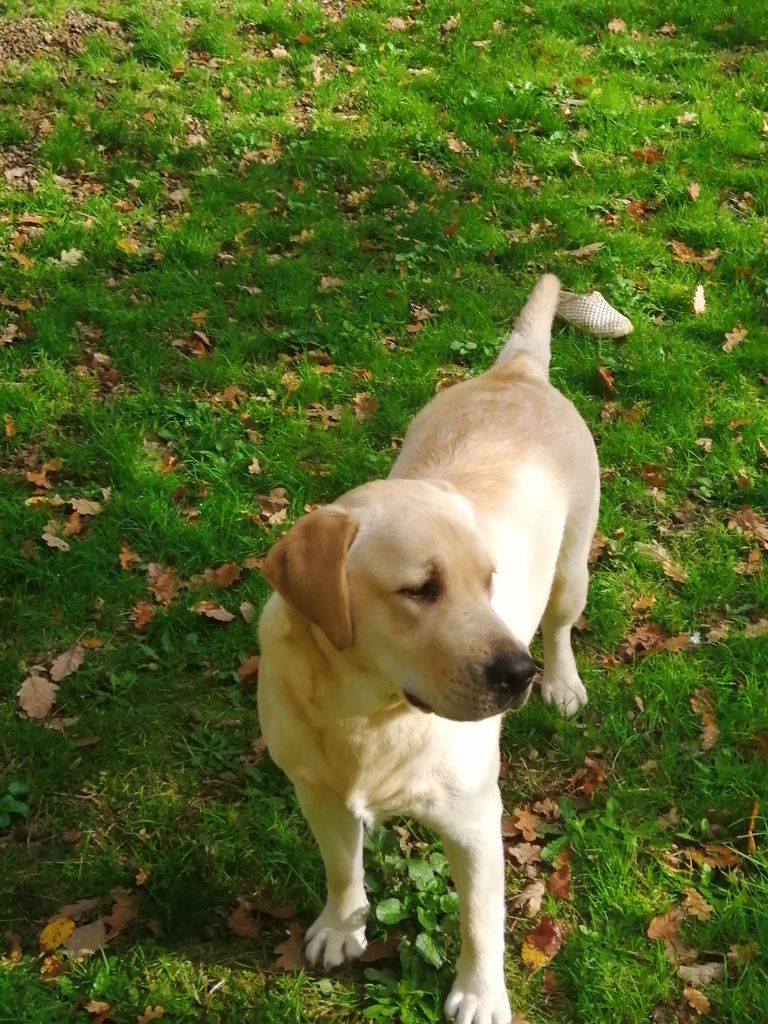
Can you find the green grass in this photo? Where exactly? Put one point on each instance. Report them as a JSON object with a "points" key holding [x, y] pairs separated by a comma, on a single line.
{"points": [[195, 171]]}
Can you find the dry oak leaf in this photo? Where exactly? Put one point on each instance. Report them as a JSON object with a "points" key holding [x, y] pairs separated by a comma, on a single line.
{"points": [[606, 376], [617, 25], [665, 926], [733, 338], [559, 882], [80, 908], [10, 425], [685, 254], [241, 922], [248, 670], [525, 853], [51, 967], [85, 507], [649, 155], [759, 628], [327, 282], [248, 612], [124, 910], [542, 944], [714, 855], [36, 696], [100, 1010], [382, 949], [142, 614], [87, 939], [585, 252], [694, 190], [163, 582], [150, 1013], [700, 974], [456, 145], [594, 777], [212, 610], [127, 557], [290, 953], [660, 554], [364, 406], [67, 663], [55, 932], [529, 900], [526, 823], [694, 905], [53, 541], [696, 999], [227, 574], [701, 704]]}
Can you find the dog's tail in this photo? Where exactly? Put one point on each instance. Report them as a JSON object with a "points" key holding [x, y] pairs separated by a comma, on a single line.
{"points": [[532, 332]]}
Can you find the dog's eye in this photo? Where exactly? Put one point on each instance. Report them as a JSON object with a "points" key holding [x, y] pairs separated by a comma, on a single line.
{"points": [[428, 591]]}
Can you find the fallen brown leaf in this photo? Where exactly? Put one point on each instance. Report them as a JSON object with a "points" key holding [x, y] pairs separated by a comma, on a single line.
{"points": [[701, 704], [694, 190], [685, 254], [53, 541], [382, 949], [36, 696], [543, 943], [150, 1013], [527, 824], [733, 338], [124, 910], [665, 926], [529, 900], [163, 582], [649, 155], [660, 555], [87, 939], [364, 406], [99, 1010], [559, 882], [751, 844], [142, 614], [700, 974], [67, 663], [127, 557], [714, 855], [248, 670], [694, 905], [616, 25], [241, 922], [10, 425], [696, 999], [290, 953], [606, 376], [212, 610], [585, 252], [227, 574]]}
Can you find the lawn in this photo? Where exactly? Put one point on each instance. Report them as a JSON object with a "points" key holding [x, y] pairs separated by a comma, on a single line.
{"points": [[241, 243]]}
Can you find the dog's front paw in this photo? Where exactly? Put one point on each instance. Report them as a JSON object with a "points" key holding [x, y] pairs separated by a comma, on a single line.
{"points": [[567, 693], [477, 1004], [333, 940]]}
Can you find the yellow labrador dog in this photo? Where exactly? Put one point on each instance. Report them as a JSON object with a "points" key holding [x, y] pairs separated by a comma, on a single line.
{"points": [[398, 636]]}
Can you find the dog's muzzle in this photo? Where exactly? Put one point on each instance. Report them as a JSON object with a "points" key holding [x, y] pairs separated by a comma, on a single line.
{"points": [[508, 676]]}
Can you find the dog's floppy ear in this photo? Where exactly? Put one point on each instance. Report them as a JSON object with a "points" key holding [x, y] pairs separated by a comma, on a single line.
{"points": [[308, 567]]}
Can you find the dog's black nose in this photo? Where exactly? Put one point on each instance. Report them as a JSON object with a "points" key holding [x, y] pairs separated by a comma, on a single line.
{"points": [[509, 674]]}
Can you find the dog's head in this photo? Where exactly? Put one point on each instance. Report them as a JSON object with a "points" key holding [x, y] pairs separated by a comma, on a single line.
{"points": [[398, 577]]}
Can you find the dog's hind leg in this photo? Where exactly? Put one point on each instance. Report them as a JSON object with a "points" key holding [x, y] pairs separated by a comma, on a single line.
{"points": [[338, 934], [561, 683]]}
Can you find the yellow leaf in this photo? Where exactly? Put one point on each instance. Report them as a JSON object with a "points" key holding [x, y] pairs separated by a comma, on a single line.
{"points": [[129, 245], [534, 958], [55, 932]]}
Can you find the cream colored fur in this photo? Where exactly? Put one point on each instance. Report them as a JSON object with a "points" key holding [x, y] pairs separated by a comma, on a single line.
{"points": [[423, 591]]}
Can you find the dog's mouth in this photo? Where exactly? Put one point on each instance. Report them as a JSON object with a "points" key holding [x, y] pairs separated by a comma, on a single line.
{"points": [[416, 702]]}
